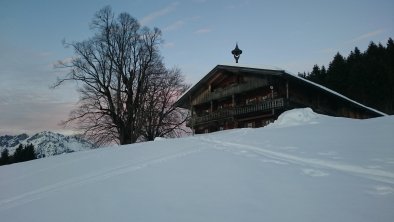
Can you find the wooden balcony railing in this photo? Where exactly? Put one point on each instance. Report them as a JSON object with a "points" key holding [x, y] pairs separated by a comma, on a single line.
{"points": [[226, 113], [220, 93]]}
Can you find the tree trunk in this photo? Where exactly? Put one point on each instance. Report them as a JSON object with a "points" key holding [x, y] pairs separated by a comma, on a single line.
{"points": [[125, 136]]}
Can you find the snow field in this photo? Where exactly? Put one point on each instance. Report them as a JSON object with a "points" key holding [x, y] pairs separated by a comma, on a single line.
{"points": [[303, 167]]}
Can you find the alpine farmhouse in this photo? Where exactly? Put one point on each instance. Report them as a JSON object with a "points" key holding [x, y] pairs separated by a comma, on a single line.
{"points": [[235, 96]]}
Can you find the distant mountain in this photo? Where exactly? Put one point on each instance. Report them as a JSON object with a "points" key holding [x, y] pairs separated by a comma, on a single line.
{"points": [[46, 143]]}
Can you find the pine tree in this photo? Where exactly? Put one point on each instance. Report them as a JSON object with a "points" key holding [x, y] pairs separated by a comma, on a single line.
{"points": [[5, 158], [366, 77], [29, 153], [18, 154], [357, 76], [315, 74], [23, 153], [390, 74], [336, 73]]}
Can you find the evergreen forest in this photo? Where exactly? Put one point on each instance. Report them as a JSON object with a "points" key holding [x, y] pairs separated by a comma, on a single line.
{"points": [[22, 153], [366, 77]]}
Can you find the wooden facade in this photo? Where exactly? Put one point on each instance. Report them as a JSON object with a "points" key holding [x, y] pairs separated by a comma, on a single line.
{"points": [[234, 97]]}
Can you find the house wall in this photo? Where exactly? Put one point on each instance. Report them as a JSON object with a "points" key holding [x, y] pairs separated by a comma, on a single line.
{"points": [[295, 93], [261, 94]]}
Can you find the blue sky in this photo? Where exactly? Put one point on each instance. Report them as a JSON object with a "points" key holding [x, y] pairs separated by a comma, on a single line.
{"points": [[198, 34]]}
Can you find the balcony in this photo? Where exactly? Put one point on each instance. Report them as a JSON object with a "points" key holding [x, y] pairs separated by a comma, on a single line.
{"points": [[221, 93], [227, 113]]}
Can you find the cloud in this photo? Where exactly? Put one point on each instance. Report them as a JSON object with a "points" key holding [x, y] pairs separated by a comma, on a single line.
{"points": [[34, 117], [367, 35], [44, 54], [202, 31], [159, 13], [174, 26], [199, 1], [329, 51], [181, 23], [27, 104], [238, 4], [169, 45], [196, 18]]}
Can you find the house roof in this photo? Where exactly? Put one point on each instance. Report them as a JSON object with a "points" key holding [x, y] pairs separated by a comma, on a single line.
{"points": [[265, 70]]}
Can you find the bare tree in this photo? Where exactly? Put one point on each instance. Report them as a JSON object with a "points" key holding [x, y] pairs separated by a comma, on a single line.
{"points": [[163, 119], [116, 68]]}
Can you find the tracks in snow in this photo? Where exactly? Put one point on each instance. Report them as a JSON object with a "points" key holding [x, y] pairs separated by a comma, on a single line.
{"points": [[374, 174], [99, 175]]}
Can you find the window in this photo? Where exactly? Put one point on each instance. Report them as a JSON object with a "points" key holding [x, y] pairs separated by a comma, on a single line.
{"points": [[206, 131], [250, 125]]}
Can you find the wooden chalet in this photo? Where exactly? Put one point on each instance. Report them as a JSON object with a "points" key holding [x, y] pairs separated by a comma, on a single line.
{"points": [[233, 96]]}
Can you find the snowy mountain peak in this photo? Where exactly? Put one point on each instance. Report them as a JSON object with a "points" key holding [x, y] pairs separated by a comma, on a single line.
{"points": [[11, 141], [46, 143]]}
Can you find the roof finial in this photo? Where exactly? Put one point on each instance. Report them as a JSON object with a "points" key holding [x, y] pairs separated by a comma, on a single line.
{"points": [[236, 52]]}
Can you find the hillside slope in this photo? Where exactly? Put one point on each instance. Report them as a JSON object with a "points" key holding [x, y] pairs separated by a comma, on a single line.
{"points": [[303, 167]]}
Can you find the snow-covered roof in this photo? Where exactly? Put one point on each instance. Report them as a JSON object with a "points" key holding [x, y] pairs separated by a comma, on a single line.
{"points": [[272, 70]]}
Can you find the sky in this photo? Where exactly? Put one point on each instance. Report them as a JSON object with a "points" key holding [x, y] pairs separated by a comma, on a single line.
{"points": [[198, 35]]}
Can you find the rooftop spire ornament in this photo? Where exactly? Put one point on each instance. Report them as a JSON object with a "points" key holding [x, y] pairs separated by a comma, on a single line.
{"points": [[236, 52]]}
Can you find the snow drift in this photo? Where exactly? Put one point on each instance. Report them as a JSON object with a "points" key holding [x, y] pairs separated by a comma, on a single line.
{"points": [[303, 167], [297, 117]]}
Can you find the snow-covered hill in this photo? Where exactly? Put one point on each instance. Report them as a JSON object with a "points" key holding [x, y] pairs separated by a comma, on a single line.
{"points": [[303, 167], [46, 143]]}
